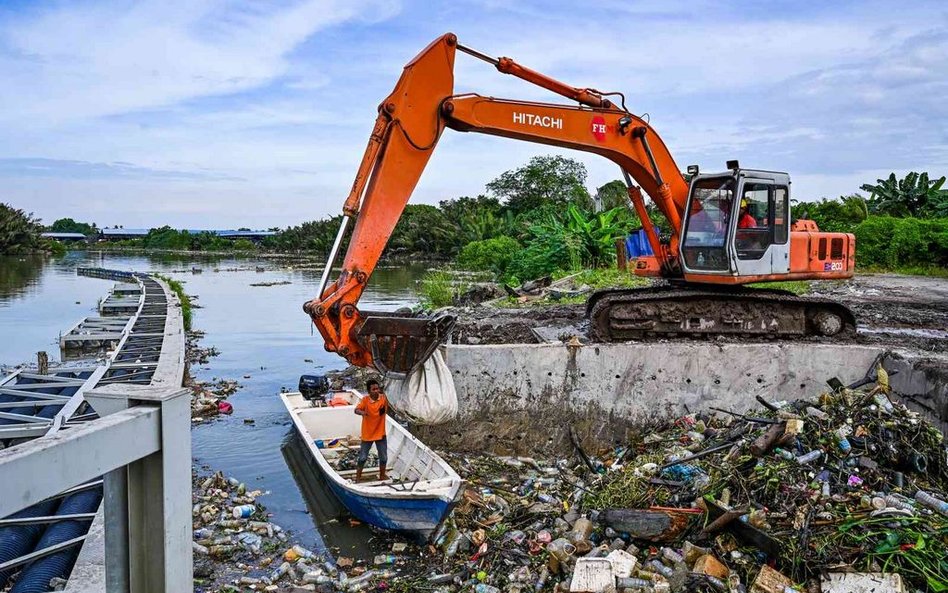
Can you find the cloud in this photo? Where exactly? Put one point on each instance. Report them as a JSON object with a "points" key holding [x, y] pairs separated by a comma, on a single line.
{"points": [[81, 60], [37, 167], [263, 109]]}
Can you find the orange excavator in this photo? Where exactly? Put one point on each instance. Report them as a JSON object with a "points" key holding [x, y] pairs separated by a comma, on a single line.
{"points": [[728, 229]]}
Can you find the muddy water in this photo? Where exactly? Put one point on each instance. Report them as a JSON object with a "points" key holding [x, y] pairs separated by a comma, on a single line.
{"points": [[265, 341]]}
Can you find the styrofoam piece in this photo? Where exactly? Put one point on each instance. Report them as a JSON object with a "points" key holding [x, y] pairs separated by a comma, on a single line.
{"points": [[623, 563], [591, 575], [855, 582]]}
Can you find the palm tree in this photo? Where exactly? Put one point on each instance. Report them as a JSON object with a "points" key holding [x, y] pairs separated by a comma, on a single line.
{"points": [[19, 231]]}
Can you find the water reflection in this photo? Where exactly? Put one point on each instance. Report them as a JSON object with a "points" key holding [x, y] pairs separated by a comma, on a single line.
{"points": [[250, 310], [328, 514], [19, 274]]}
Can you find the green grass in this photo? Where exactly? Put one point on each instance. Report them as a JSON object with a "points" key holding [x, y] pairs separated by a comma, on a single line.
{"points": [[929, 270], [178, 288], [797, 287], [440, 287], [596, 279], [599, 278]]}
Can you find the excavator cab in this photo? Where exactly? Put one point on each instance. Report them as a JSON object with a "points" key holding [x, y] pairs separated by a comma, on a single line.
{"points": [[737, 224]]}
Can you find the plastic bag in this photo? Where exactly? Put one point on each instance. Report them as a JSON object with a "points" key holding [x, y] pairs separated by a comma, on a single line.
{"points": [[428, 395]]}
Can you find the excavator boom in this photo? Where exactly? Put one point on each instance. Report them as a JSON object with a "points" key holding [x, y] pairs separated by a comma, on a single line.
{"points": [[409, 124]]}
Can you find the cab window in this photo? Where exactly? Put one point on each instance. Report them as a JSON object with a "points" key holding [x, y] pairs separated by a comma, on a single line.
{"points": [[709, 211], [755, 221]]}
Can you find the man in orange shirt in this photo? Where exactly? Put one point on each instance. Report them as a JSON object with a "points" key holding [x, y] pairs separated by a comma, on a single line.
{"points": [[744, 218], [372, 409]]}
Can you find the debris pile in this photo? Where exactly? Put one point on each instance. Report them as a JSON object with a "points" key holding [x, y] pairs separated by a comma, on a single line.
{"points": [[209, 399], [782, 499], [237, 548]]}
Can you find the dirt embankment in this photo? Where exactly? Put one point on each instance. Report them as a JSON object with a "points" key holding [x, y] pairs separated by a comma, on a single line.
{"points": [[901, 311]]}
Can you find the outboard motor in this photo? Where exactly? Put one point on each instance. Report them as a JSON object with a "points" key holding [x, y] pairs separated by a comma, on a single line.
{"points": [[314, 387]]}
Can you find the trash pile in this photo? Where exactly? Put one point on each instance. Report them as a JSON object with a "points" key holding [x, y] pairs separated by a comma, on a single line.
{"points": [[788, 498], [209, 399], [236, 548]]}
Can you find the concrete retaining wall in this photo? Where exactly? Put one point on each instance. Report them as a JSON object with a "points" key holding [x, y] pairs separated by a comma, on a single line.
{"points": [[633, 379]]}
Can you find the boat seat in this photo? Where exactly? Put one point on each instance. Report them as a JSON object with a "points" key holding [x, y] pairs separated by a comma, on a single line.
{"points": [[351, 472]]}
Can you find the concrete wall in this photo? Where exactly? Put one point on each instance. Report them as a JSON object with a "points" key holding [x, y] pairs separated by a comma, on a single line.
{"points": [[526, 398], [634, 379]]}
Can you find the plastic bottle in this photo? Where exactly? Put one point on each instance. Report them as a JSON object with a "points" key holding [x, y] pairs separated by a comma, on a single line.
{"points": [[716, 583], [788, 455], [842, 442], [280, 571], [809, 457], [672, 556], [633, 583], [221, 550], [581, 530], [561, 549], [931, 502], [883, 402], [385, 559], [316, 578], [661, 569], [243, 511], [816, 413], [485, 588]]}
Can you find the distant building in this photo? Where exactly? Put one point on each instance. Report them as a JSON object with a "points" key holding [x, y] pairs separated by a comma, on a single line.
{"points": [[65, 237], [122, 234]]}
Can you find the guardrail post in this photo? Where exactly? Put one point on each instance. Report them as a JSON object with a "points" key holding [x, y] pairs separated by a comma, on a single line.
{"points": [[148, 515]]}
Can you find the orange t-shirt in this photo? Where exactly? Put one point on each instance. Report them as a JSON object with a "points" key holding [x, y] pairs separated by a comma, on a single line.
{"points": [[373, 423]]}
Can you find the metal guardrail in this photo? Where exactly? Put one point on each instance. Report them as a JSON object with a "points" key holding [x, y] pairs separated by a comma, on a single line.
{"points": [[142, 447], [136, 455]]}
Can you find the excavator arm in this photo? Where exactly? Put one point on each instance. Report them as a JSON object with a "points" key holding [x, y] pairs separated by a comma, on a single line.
{"points": [[409, 125]]}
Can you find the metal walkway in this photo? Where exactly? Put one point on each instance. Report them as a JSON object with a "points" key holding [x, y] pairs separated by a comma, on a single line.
{"points": [[44, 538]]}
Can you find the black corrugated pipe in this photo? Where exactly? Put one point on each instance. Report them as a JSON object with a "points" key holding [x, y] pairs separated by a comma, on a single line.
{"points": [[35, 576], [17, 540]]}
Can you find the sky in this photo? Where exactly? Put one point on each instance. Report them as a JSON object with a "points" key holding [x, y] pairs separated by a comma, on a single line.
{"points": [[249, 113]]}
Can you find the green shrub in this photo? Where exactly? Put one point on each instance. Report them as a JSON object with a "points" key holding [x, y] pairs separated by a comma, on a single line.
{"points": [[439, 288], [549, 251], [493, 255], [892, 243]]}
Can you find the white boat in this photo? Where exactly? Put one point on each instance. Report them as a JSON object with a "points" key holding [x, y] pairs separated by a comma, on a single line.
{"points": [[421, 487]]}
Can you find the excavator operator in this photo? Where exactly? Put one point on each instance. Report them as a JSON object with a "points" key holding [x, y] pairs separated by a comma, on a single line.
{"points": [[744, 218]]}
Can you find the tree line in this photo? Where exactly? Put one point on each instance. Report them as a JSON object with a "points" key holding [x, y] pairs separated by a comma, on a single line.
{"points": [[540, 218]]}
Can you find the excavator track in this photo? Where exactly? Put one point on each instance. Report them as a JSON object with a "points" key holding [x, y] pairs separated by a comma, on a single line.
{"points": [[683, 311]]}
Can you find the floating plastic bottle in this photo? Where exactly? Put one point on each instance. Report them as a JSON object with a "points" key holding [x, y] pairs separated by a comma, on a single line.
{"points": [[243, 511]]}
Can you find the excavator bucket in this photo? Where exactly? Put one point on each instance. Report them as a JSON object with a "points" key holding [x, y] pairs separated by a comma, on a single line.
{"points": [[400, 344]]}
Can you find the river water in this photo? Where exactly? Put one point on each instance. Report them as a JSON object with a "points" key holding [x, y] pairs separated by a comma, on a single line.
{"points": [[264, 340]]}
